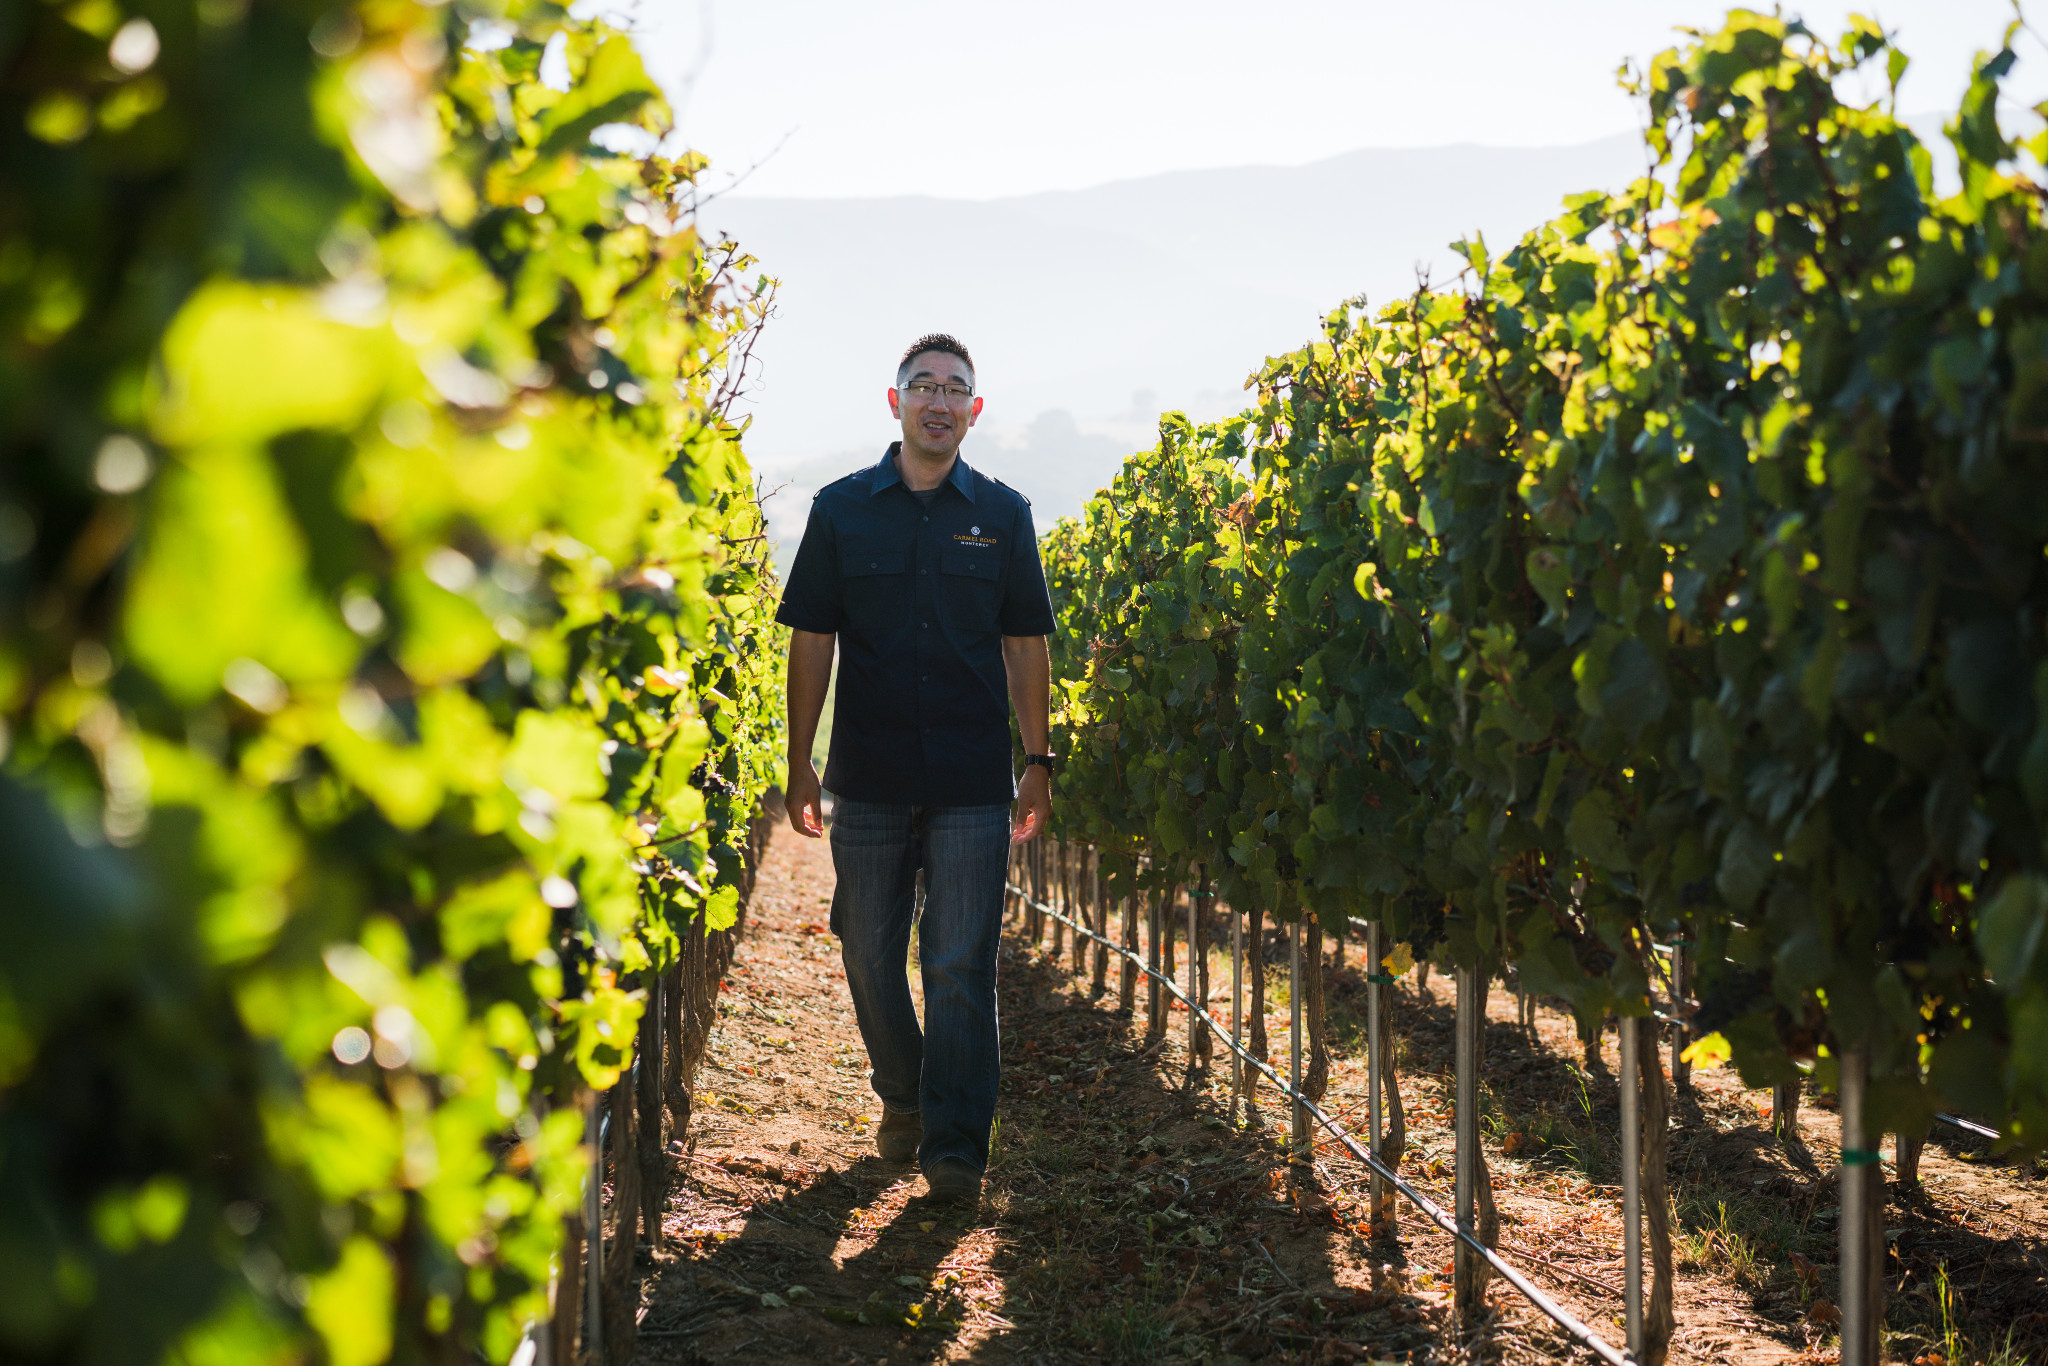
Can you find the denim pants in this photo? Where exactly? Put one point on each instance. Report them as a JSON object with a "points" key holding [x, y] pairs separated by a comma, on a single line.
{"points": [[948, 1068]]}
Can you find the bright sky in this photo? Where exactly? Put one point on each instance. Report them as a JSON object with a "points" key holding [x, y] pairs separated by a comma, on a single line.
{"points": [[983, 100]]}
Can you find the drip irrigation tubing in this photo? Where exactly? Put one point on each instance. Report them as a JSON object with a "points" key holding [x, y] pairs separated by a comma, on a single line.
{"points": [[1556, 1312], [1970, 1126]]}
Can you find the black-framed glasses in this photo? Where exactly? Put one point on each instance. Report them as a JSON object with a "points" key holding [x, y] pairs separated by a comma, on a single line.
{"points": [[925, 391]]}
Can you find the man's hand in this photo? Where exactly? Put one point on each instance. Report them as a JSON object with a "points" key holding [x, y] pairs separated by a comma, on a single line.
{"points": [[810, 676], [1034, 805], [803, 800]]}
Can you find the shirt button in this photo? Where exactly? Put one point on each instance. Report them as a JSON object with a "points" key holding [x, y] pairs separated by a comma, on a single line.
{"points": [[873, 565], [924, 678], [924, 519], [924, 571]]}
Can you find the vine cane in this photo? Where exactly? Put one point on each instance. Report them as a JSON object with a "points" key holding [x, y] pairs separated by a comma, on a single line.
{"points": [[1631, 1186]]}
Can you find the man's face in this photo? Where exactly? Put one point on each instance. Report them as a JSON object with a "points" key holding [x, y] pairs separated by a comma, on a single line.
{"points": [[935, 424]]}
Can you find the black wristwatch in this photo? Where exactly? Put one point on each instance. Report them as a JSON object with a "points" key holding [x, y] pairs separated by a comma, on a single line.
{"points": [[1048, 762]]}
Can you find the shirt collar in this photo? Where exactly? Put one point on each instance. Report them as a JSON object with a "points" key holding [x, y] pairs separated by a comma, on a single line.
{"points": [[884, 473]]}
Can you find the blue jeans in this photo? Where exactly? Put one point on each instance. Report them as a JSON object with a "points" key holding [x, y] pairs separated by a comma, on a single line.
{"points": [[949, 1068]]}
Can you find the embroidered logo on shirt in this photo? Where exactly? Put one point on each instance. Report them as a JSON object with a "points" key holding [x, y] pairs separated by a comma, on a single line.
{"points": [[974, 537]]}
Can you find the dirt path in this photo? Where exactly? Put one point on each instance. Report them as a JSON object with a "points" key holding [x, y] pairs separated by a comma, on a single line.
{"points": [[1125, 1221]]}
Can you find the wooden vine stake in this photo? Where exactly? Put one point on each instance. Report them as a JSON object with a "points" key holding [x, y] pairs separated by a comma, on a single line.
{"points": [[1255, 964], [1198, 957], [1058, 859], [1659, 1321], [1631, 1189], [1681, 991], [1101, 890], [1315, 1081], [593, 1233], [621, 1285], [1082, 895], [1191, 985], [1167, 930], [651, 1149], [1154, 996], [1236, 1011], [1126, 972]]}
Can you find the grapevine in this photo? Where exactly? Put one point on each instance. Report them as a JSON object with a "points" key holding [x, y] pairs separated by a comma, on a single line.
{"points": [[386, 667], [1673, 577]]}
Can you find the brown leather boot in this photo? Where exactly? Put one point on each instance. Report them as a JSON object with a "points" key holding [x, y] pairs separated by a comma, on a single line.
{"points": [[954, 1181], [901, 1132]]}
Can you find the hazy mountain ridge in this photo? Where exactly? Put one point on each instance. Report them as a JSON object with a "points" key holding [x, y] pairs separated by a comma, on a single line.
{"points": [[1078, 302]]}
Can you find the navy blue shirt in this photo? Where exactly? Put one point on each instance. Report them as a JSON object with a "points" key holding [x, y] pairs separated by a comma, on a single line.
{"points": [[920, 596]]}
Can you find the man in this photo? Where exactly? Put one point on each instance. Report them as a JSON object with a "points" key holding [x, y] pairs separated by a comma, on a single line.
{"points": [[923, 575]]}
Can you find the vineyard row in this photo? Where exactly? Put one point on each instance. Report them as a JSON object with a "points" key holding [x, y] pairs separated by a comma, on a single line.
{"points": [[388, 677], [1675, 579]]}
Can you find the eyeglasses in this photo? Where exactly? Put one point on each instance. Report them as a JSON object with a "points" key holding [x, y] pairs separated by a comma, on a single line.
{"points": [[924, 391]]}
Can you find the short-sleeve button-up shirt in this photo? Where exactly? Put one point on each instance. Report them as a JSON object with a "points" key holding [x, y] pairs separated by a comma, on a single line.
{"points": [[920, 595]]}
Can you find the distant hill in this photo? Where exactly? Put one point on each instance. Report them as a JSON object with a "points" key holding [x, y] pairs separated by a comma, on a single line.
{"points": [[1089, 311]]}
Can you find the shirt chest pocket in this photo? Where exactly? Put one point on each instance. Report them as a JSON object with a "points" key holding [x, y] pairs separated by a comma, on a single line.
{"points": [[970, 588], [875, 585]]}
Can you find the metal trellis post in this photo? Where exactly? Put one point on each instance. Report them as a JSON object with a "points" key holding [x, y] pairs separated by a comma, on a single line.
{"points": [[1859, 1165], [1299, 1131], [1374, 970], [1465, 1265]]}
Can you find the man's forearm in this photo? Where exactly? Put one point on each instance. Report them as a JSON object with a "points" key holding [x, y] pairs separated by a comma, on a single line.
{"points": [[810, 675], [1029, 666]]}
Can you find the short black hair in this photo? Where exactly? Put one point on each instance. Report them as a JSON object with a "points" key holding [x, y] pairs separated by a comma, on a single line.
{"points": [[933, 341]]}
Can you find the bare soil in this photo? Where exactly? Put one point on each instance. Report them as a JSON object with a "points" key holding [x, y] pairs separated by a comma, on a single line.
{"points": [[1125, 1220]]}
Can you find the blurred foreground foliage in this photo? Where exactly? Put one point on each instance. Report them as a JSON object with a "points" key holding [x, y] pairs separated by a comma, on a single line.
{"points": [[385, 659], [1677, 578]]}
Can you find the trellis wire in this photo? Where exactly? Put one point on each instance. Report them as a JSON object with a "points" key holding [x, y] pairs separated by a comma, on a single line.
{"points": [[1435, 1213]]}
